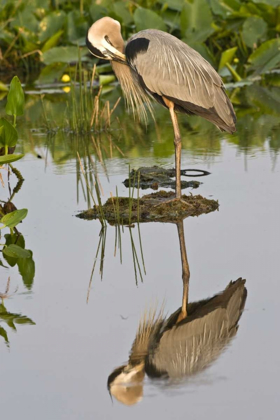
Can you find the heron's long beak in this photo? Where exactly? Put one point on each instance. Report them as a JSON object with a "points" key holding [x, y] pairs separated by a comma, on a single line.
{"points": [[115, 53]]}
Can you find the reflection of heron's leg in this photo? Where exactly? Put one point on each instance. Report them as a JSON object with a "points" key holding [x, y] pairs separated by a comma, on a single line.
{"points": [[185, 271]]}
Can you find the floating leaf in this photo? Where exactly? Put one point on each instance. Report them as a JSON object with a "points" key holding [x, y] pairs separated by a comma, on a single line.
{"points": [[196, 20], [8, 134], [97, 12], [63, 55], [25, 19], [3, 87], [3, 334], [106, 79], [14, 218], [266, 57], [253, 29], [51, 24], [173, 4], [147, 19], [26, 269], [22, 319], [51, 73], [16, 251], [122, 13], [172, 19], [13, 239], [15, 99], [76, 27], [10, 158], [273, 3], [227, 57], [52, 41]]}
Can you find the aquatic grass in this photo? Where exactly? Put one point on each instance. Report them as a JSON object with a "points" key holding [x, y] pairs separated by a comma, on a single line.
{"points": [[138, 223], [131, 195], [97, 187], [100, 248], [100, 254], [119, 224], [86, 113]]}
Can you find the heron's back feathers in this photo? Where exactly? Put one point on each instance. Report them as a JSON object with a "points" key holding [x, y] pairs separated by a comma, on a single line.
{"points": [[168, 67], [193, 344]]}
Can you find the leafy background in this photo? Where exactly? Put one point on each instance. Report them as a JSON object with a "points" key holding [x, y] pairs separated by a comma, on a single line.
{"points": [[239, 37]]}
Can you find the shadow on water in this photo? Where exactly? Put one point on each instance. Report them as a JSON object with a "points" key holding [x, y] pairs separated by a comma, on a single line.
{"points": [[180, 346]]}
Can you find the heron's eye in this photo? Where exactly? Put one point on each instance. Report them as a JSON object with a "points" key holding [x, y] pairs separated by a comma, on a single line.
{"points": [[108, 40]]}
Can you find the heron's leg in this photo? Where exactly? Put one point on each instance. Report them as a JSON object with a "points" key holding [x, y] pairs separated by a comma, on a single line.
{"points": [[185, 271], [178, 147], [177, 144]]}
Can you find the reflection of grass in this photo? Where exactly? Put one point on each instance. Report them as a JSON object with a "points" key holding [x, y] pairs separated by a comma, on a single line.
{"points": [[138, 263], [10, 318], [97, 188], [257, 121], [85, 111]]}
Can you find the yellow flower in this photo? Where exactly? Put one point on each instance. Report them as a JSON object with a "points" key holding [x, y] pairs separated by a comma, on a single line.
{"points": [[66, 89], [65, 78]]}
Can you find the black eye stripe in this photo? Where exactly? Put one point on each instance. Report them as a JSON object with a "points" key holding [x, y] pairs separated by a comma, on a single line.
{"points": [[93, 50], [108, 40]]}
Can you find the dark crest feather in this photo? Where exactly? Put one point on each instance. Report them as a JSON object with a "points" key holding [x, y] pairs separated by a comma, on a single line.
{"points": [[135, 47]]}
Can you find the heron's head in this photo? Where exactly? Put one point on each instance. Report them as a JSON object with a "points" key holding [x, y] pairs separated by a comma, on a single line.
{"points": [[104, 40], [126, 384]]}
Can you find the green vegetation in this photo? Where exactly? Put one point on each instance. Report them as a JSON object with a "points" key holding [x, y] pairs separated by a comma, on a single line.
{"points": [[239, 37], [9, 318], [13, 249], [158, 206], [8, 132]]}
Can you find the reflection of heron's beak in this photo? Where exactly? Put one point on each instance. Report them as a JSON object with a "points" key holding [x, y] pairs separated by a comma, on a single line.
{"points": [[127, 386]]}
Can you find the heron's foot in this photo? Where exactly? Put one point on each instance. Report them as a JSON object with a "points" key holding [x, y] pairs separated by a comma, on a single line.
{"points": [[182, 315]]}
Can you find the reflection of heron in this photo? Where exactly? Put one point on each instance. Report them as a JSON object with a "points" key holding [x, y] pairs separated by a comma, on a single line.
{"points": [[157, 64], [184, 344]]}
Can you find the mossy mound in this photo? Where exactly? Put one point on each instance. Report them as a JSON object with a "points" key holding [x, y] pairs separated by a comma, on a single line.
{"points": [[155, 177], [150, 208]]}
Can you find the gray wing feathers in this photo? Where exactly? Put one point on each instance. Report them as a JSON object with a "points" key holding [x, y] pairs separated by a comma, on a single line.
{"points": [[190, 347], [171, 68]]}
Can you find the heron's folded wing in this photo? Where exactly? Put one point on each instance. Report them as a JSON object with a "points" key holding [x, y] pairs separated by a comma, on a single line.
{"points": [[168, 67], [191, 346]]}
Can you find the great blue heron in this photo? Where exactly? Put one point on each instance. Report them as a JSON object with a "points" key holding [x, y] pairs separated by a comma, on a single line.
{"points": [[186, 343], [158, 65]]}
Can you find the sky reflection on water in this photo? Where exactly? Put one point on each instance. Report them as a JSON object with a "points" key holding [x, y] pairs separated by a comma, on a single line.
{"points": [[58, 368]]}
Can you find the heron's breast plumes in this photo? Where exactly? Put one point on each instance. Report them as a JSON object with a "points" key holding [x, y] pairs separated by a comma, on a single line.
{"points": [[136, 98]]}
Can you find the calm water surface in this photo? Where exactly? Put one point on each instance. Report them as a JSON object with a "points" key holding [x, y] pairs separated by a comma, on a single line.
{"points": [[58, 368]]}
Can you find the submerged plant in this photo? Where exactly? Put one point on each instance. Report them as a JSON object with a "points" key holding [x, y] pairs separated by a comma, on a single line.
{"points": [[8, 132]]}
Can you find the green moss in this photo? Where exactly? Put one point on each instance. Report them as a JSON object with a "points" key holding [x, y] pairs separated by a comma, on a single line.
{"points": [[152, 207]]}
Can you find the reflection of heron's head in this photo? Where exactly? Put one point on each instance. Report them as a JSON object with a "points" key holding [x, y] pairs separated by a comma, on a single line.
{"points": [[126, 383]]}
